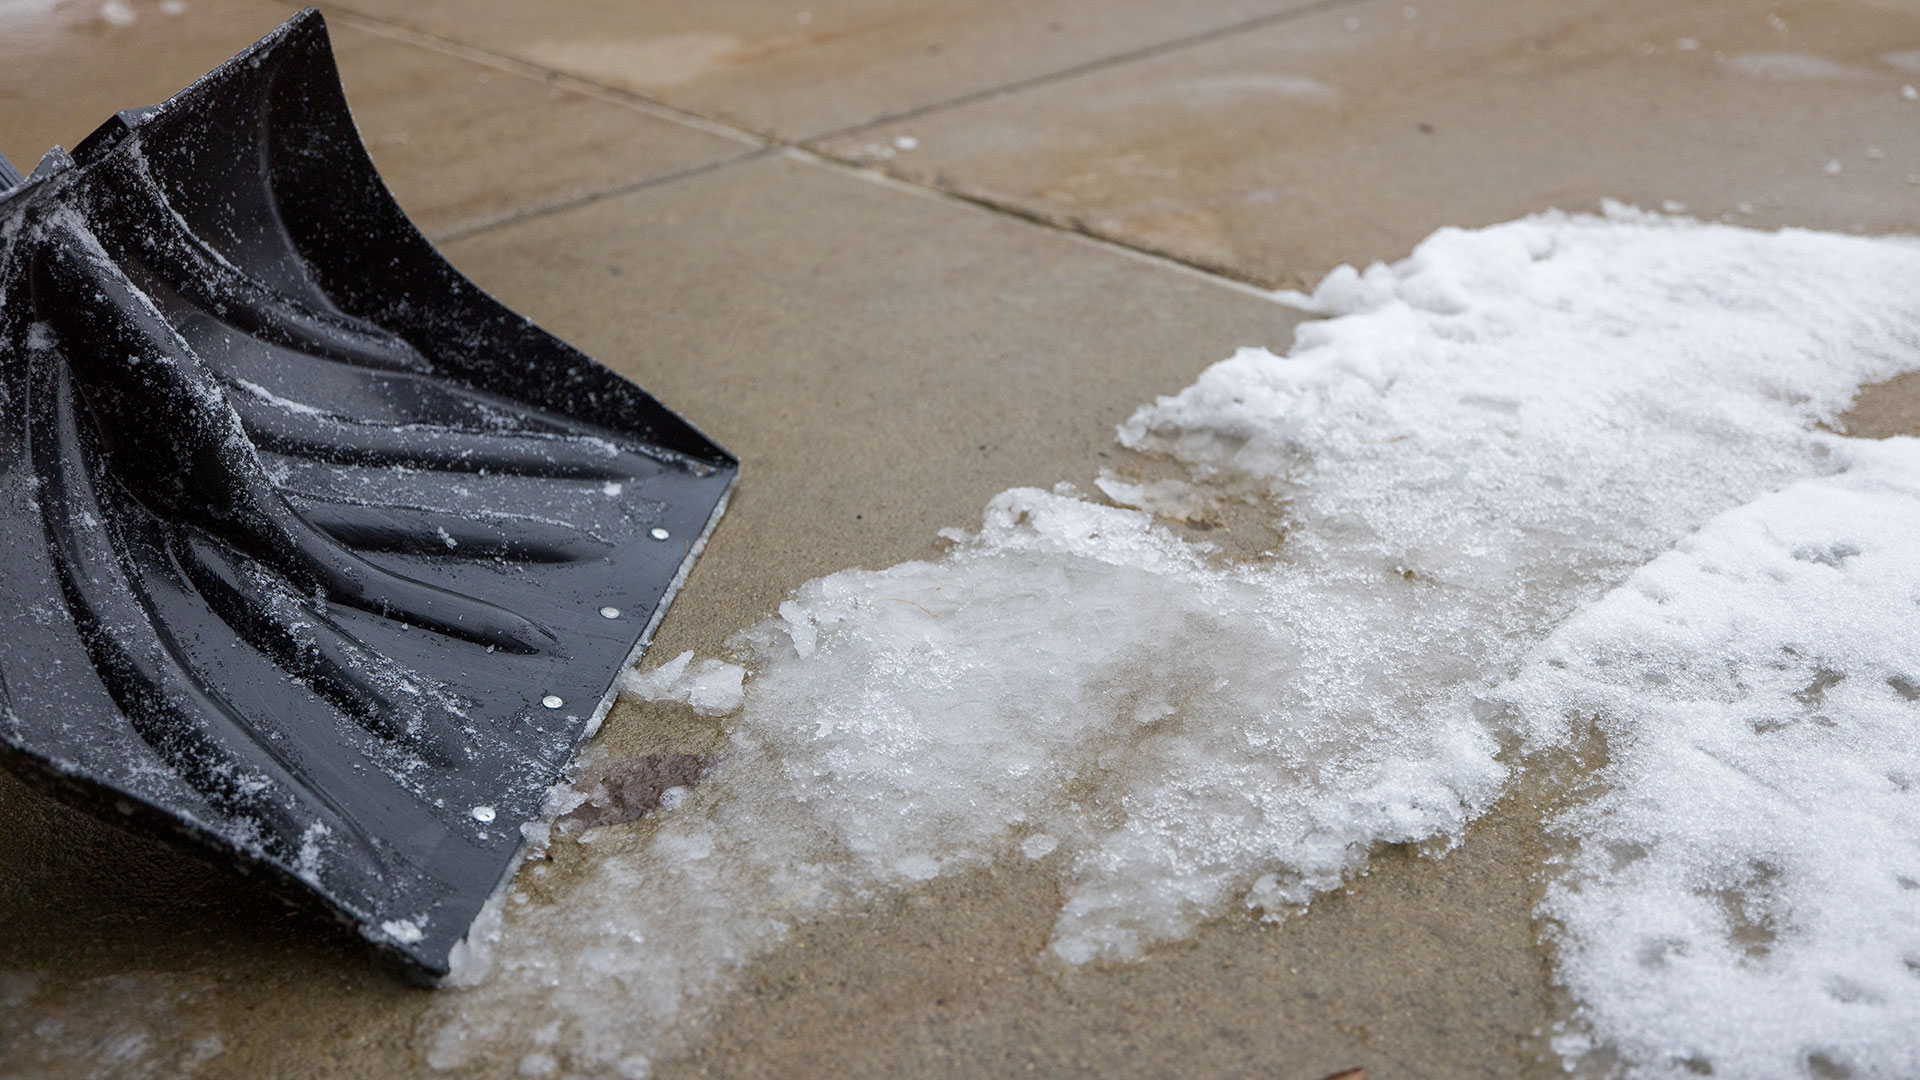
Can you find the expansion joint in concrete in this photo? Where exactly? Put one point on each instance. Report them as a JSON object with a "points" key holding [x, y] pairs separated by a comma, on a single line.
{"points": [[1067, 74], [814, 148], [574, 202]]}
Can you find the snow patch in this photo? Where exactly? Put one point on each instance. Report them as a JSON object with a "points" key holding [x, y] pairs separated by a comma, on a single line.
{"points": [[404, 931], [1743, 895], [1483, 440]]}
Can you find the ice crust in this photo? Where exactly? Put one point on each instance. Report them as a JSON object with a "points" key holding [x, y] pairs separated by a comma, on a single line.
{"points": [[1743, 891], [1479, 442], [710, 689]]}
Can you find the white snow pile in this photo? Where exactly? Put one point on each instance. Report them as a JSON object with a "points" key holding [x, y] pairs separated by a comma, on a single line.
{"points": [[1743, 894], [1481, 441]]}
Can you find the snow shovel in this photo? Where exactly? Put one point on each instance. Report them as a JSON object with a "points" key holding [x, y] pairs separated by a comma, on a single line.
{"points": [[320, 560]]}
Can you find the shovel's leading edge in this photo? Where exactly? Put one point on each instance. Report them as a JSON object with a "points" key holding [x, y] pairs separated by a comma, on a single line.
{"points": [[319, 557]]}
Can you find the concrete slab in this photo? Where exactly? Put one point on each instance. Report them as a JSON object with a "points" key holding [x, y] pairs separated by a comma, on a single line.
{"points": [[65, 68], [796, 70], [461, 144], [1422, 969], [1354, 132]]}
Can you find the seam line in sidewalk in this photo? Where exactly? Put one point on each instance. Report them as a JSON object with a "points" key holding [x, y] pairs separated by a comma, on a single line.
{"points": [[808, 149], [1067, 74], [987, 206], [381, 27], [532, 213]]}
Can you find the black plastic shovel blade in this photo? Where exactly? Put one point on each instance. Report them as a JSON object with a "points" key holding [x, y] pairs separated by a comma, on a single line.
{"points": [[319, 558]]}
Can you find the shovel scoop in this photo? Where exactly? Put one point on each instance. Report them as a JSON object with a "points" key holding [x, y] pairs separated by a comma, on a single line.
{"points": [[319, 560]]}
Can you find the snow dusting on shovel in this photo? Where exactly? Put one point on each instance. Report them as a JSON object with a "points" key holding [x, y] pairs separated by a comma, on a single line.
{"points": [[1477, 448]]}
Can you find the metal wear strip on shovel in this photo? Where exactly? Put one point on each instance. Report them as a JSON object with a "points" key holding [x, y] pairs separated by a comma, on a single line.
{"points": [[319, 558]]}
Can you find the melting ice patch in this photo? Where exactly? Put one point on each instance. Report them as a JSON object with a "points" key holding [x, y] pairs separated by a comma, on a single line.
{"points": [[1480, 441], [1742, 896]]}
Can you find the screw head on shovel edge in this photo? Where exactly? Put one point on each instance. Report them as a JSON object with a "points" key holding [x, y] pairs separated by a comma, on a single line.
{"points": [[311, 542]]}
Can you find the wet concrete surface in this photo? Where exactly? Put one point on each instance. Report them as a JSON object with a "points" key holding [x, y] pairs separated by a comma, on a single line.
{"points": [[800, 70], [1349, 134], [886, 357], [462, 144]]}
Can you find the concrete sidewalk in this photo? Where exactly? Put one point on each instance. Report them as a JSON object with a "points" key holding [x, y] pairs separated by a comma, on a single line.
{"points": [[899, 257]]}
